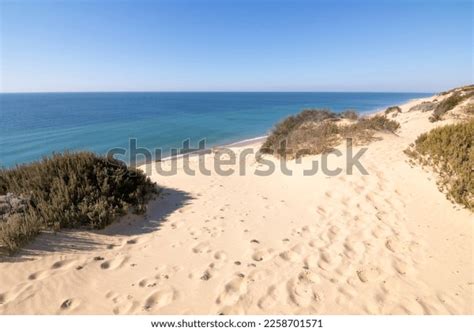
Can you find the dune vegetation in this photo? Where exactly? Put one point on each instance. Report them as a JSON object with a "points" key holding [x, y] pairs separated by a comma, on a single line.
{"points": [[70, 190], [316, 131], [449, 151], [456, 97]]}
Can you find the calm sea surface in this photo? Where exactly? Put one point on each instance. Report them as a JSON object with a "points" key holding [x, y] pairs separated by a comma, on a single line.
{"points": [[36, 124]]}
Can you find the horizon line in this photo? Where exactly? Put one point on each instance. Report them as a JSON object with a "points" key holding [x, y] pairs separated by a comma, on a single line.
{"points": [[211, 91]]}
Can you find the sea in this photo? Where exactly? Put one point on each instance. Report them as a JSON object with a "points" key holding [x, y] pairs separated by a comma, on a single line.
{"points": [[35, 125]]}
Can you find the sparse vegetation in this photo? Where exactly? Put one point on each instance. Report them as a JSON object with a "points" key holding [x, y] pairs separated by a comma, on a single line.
{"points": [[394, 110], [456, 97], [318, 131], [424, 106], [350, 114], [449, 150], [70, 190], [465, 88]]}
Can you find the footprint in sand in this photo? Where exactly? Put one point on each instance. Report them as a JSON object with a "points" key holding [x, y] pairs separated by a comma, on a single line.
{"points": [[217, 265], [398, 246], [202, 248], [160, 298], [333, 232], [232, 291], [61, 264], [352, 249], [114, 263], [206, 275], [400, 266], [220, 255], [55, 266], [368, 274], [291, 256], [295, 254], [147, 282], [311, 262], [262, 255], [123, 304], [38, 275], [68, 305], [259, 275], [303, 294], [270, 299], [309, 276], [328, 260], [381, 231], [166, 271]]}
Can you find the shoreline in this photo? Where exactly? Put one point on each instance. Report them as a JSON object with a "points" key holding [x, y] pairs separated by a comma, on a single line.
{"points": [[239, 143], [260, 139], [250, 123]]}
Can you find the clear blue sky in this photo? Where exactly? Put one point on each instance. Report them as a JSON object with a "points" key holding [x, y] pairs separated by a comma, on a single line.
{"points": [[236, 45]]}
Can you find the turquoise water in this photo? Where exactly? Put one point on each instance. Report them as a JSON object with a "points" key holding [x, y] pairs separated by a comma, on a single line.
{"points": [[36, 124]]}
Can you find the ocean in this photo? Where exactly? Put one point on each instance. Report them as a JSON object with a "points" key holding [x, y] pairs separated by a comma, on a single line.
{"points": [[33, 125]]}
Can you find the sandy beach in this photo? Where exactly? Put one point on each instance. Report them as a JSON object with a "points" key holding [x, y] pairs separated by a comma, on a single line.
{"points": [[388, 242]]}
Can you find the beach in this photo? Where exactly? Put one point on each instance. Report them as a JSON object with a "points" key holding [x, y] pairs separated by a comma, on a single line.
{"points": [[385, 242]]}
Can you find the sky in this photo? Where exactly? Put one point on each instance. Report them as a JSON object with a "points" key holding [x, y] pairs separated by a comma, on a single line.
{"points": [[293, 45]]}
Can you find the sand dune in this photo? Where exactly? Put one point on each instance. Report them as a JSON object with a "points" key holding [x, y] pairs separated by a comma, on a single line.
{"points": [[384, 243]]}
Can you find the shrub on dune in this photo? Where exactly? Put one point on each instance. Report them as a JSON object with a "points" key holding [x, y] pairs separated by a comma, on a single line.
{"points": [[394, 110], [71, 190], [450, 103], [449, 150], [318, 131], [350, 115]]}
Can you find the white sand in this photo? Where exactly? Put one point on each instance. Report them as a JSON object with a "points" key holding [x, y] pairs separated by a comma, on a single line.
{"points": [[385, 243]]}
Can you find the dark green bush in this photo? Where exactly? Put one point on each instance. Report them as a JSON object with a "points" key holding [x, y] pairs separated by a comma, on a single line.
{"points": [[76, 190], [449, 149]]}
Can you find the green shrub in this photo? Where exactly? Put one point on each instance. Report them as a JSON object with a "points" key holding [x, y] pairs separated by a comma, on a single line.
{"points": [[393, 109], [449, 103], [315, 131], [376, 123], [73, 190], [284, 128], [449, 149]]}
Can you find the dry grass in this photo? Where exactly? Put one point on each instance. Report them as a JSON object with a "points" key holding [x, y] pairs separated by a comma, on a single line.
{"points": [[457, 96], [319, 131], [394, 110], [424, 106]]}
